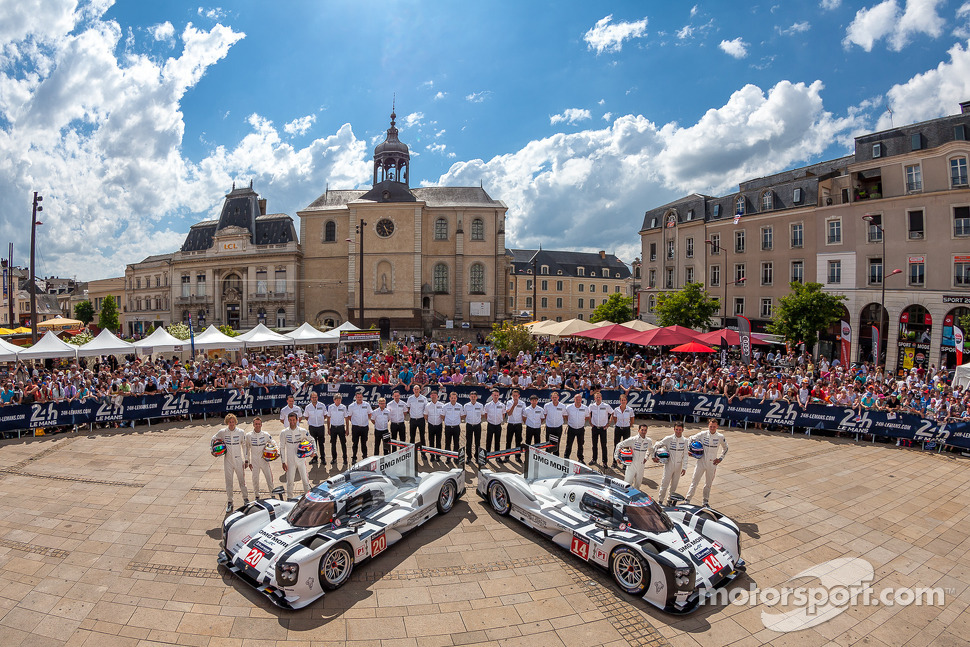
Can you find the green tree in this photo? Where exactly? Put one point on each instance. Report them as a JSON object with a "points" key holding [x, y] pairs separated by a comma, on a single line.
{"points": [[617, 309], [511, 337], [84, 312], [178, 330], [805, 312], [109, 314], [81, 338], [228, 330], [964, 324], [691, 307]]}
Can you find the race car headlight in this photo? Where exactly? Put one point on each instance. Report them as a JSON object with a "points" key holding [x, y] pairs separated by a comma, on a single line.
{"points": [[287, 574], [682, 577]]}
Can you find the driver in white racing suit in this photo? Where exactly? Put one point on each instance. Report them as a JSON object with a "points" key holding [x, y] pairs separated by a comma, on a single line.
{"points": [[676, 465], [256, 441], [641, 445], [290, 439], [712, 440], [234, 461]]}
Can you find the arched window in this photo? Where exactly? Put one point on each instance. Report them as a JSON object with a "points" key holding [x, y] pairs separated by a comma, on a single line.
{"points": [[441, 229], [330, 232], [739, 206], [478, 229], [440, 278], [476, 279], [185, 316], [767, 201], [201, 318], [261, 316], [281, 318]]}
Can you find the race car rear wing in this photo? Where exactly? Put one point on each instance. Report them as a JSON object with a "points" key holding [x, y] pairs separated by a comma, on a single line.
{"points": [[402, 463], [483, 457], [540, 464]]}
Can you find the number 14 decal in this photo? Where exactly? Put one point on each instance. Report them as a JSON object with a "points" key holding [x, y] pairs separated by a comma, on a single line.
{"points": [[580, 547]]}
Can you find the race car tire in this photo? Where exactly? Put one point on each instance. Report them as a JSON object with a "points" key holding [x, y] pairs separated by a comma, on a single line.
{"points": [[630, 570], [498, 496], [446, 497], [336, 566]]}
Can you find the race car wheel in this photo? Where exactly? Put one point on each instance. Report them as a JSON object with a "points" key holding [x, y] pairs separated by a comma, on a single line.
{"points": [[446, 497], [498, 496], [336, 566], [630, 570]]}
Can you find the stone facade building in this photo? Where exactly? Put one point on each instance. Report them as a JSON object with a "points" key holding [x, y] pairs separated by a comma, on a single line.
{"points": [[414, 258], [568, 285], [901, 201], [240, 270]]}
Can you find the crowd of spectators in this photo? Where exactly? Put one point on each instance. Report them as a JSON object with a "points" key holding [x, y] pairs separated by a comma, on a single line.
{"points": [[567, 365]]}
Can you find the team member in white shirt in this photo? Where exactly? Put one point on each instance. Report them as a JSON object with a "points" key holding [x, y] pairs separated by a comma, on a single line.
{"points": [[256, 441], [290, 407], [381, 417], [712, 440], [513, 425], [599, 419], [494, 417], [315, 414], [555, 414], [676, 465], [397, 408], [534, 415], [234, 461], [576, 415], [641, 446], [290, 439], [454, 414], [622, 422], [434, 415], [416, 404], [359, 414], [473, 423], [337, 418]]}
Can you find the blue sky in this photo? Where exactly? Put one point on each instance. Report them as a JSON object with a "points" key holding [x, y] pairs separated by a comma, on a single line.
{"points": [[134, 118]]}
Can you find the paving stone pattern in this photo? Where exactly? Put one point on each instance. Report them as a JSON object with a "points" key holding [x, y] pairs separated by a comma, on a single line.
{"points": [[110, 538]]}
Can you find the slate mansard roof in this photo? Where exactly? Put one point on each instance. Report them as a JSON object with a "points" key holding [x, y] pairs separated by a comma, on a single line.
{"points": [[563, 263], [242, 209], [432, 196]]}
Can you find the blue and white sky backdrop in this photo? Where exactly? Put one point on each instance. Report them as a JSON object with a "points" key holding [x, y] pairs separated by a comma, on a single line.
{"points": [[134, 118]]}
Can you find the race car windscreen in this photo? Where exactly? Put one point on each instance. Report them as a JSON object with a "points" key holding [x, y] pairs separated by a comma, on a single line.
{"points": [[648, 517], [314, 509]]}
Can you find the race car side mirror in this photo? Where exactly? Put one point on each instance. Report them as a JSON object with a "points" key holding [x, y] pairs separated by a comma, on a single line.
{"points": [[355, 523], [601, 523]]}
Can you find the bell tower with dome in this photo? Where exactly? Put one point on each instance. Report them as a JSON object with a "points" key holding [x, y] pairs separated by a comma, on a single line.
{"points": [[392, 162]]}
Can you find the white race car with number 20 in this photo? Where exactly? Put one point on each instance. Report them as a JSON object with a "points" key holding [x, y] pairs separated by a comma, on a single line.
{"points": [[671, 556], [295, 551]]}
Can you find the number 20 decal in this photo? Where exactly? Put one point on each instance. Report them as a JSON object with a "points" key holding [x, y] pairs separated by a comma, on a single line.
{"points": [[378, 544], [253, 557]]}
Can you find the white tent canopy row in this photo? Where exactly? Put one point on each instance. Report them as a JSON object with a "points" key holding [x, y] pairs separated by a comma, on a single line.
{"points": [[105, 344], [48, 347]]}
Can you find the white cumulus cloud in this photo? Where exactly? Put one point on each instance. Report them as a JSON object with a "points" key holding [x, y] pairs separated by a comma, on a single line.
{"points": [[606, 36], [478, 97], [829, 5], [440, 95], [736, 47], [934, 93], [887, 20], [413, 119], [796, 28], [570, 116], [163, 31], [300, 126]]}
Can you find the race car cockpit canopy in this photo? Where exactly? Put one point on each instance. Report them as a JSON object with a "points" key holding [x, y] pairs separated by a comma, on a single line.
{"points": [[647, 515], [313, 509]]}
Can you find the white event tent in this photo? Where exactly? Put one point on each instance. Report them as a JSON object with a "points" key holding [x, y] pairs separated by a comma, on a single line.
{"points": [[263, 336], [333, 336], [212, 337], [48, 347], [105, 344], [8, 351], [160, 341], [307, 334]]}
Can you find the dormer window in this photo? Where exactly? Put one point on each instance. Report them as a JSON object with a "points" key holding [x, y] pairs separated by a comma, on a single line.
{"points": [[739, 206], [717, 211], [876, 150], [580, 271]]}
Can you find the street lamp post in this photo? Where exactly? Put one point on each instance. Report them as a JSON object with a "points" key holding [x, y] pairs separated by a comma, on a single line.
{"points": [[883, 315], [33, 272], [359, 229]]}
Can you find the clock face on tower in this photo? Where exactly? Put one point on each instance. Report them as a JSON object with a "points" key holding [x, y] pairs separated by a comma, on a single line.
{"points": [[385, 227]]}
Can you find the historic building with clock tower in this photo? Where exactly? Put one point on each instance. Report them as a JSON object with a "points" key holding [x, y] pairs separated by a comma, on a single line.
{"points": [[400, 258]]}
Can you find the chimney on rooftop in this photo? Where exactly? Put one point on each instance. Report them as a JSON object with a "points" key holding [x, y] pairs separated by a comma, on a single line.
{"points": [[262, 206], [965, 107], [603, 254]]}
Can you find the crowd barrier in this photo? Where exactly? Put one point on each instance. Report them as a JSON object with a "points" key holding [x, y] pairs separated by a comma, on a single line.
{"points": [[679, 404]]}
